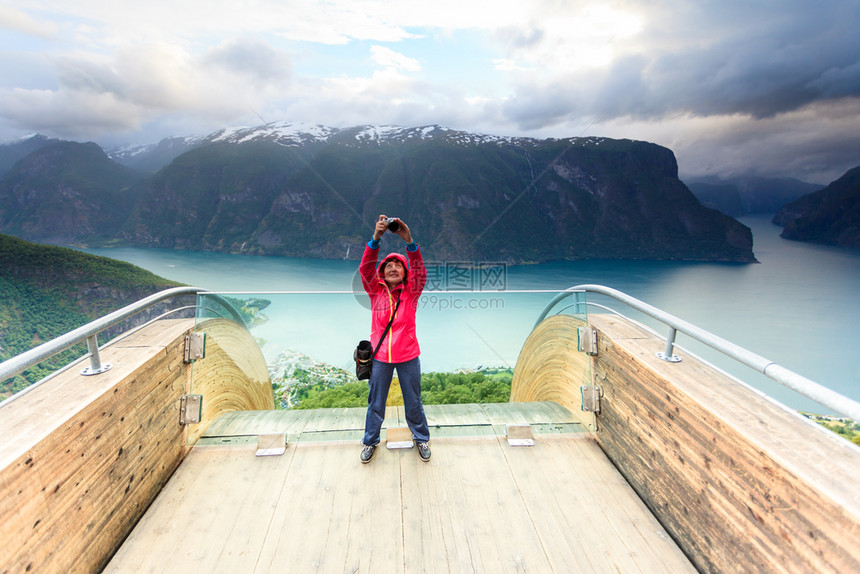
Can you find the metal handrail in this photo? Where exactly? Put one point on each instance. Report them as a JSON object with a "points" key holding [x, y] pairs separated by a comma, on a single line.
{"points": [[82, 358], [88, 333], [806, 387]]}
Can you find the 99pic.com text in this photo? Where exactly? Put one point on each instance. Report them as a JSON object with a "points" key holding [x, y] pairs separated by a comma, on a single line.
{"points": [[461, 302]]}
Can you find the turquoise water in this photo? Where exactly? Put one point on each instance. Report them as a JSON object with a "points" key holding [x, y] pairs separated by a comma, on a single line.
{"points": [[799, 307]]}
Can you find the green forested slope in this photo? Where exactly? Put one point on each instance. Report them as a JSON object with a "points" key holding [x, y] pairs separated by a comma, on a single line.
{"points": [[46, 291]]}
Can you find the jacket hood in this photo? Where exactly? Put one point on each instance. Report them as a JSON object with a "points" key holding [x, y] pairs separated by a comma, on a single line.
{"points": [[399, 257]]}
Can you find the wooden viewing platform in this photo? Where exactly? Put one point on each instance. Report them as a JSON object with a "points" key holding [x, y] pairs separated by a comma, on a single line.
{"points": [[479, 505], [682, 467]]}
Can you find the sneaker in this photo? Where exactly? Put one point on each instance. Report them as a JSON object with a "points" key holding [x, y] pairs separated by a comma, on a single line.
{"points": [[424, 451], [367, 453]]}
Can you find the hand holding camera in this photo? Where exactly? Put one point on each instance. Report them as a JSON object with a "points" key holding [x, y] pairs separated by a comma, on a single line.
{"points": [[394, 225]]}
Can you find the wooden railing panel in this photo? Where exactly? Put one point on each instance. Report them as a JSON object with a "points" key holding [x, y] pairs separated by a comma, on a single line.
{"points": [[82, 480], [742, 483], [82, 458]]}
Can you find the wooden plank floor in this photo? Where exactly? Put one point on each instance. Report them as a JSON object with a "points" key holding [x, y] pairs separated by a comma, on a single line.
{"points": [[479, 505]]}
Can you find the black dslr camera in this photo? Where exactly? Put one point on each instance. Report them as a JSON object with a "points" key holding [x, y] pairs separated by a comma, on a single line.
{"points": [[393, 224]]}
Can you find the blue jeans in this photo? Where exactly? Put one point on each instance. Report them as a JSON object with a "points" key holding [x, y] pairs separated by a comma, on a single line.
{"points": [[409, 374]]}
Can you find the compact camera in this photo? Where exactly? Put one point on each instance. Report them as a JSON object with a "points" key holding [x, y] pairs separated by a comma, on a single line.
{"points": [[393, 224]]}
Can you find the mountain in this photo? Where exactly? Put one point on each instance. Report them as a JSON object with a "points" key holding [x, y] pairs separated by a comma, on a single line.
{"points": [[150, 158], [66, 192], [314, 191], [46, 291], [12, 152], [744, 195], [830, 216]]}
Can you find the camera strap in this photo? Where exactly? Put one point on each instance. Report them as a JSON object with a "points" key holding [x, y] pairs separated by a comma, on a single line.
{"points": [[387, 327]]}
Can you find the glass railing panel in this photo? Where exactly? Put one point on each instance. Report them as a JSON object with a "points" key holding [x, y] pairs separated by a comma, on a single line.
{"points": [[602, 304], [307, 338]]}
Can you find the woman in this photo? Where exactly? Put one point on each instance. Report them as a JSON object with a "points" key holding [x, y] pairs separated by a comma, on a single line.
{"points": [[394, 288]]}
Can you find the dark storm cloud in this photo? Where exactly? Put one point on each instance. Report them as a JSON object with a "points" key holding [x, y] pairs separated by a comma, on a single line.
{"points": [[805, 151], [728, 60], [763, 59], [624, 90], [839, 83]]}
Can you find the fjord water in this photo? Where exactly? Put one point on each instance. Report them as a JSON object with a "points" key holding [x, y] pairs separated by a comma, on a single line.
{"points": [[798, 307]]}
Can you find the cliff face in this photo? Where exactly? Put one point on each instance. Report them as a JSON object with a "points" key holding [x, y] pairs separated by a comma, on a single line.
{"points": [[830, 216], [467, 197]]}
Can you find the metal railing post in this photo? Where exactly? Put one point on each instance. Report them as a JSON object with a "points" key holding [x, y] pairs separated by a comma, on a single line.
{"points": [[96, 366], [669, 354]]}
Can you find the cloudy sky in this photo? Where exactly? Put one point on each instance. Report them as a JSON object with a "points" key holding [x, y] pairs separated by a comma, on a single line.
{"points": [[731, 86]]}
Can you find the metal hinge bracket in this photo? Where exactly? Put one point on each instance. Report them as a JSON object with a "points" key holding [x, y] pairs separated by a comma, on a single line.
{"points": [[591, 398], [587, 340], [519, 435], [190, 409], [272, 444], [195, 346]]}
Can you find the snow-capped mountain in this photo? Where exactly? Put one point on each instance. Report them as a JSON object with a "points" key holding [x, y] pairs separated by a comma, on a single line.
{"points": [[152, 157], [298, 134]]}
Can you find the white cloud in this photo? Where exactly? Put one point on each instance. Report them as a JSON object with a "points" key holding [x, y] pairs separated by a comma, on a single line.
{"points": [[256, 61], [97, 95], [388, 58], [69, 114], [507, 65], [19, 21]]}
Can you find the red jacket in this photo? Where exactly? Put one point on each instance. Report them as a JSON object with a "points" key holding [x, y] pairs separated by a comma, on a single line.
{"points": [[401, 343]]}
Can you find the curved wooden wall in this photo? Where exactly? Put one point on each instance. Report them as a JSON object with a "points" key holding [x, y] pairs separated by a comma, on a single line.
{"points": [[550, 368], [82, 458], [232, 376]]}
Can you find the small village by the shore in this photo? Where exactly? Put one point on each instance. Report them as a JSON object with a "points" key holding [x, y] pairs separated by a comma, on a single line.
{"points": [[292, 370]]}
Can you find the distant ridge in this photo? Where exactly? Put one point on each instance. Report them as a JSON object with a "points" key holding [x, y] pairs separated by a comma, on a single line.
{"points": [[14, 151], [745, 195], [66, 192], [830, 216]]}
